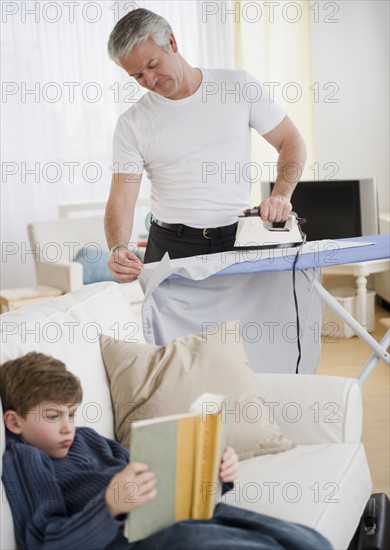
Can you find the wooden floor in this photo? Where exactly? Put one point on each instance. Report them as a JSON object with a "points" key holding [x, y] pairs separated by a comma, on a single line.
{"points": [[346, 357]]}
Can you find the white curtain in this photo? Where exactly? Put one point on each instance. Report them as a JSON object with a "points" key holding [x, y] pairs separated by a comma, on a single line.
{"points": [[273, 43], [61, 97]]}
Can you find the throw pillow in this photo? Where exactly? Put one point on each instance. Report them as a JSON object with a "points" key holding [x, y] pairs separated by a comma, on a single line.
{"points": [[147, 381], [94, 261]]}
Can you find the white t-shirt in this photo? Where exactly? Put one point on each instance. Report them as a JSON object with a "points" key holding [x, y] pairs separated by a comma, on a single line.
{"points": [[197, 150]]}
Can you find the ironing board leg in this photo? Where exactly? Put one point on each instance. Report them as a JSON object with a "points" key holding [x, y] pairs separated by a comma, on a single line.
{"points": [[371, 363], [379, 349]]}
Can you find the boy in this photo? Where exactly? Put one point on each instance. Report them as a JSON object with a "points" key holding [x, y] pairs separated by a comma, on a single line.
{"points": [[72, 488]]}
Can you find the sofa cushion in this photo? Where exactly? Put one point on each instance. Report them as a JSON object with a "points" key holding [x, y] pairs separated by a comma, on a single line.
{"points": [[94, 261], [324, 486], [148, 381]]}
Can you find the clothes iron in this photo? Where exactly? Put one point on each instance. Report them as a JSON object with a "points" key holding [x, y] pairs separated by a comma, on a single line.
{"points": [[253, 233]]}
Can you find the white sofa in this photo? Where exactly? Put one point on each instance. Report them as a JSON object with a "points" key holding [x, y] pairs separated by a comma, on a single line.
{"points": [[324, 482]]}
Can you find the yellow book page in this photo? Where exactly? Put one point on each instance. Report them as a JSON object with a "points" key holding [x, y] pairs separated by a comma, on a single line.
{"points": [[185, 461]]}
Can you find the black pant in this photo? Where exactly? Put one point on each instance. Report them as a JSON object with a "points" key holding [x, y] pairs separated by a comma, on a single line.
{"points": [[181, 245]]}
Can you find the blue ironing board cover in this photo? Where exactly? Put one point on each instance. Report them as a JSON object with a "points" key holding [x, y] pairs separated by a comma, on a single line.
{"points": [[379, 250]]}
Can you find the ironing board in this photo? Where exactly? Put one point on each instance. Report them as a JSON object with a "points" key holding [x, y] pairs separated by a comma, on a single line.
{"points": [[378, 250], [267, 262]]}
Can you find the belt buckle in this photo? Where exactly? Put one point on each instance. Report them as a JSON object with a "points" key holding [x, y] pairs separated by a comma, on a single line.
{"points": [[205, 233]]}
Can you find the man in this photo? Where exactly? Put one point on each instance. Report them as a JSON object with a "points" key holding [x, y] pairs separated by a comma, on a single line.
{"points": [[191, 133]]}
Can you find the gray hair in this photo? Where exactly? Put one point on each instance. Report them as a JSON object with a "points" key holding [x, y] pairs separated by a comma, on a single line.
{"points": [[135, 27]]}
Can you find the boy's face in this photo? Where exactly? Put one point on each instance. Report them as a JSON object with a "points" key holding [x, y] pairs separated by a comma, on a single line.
{"points": [[48, 426]]}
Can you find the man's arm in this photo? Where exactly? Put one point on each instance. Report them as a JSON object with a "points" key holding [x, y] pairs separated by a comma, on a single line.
{"points": [[287, 140], [118, 225]]}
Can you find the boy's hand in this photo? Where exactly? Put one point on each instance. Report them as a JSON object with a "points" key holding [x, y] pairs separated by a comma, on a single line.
{"points": [[229, 468], [131, 487]]}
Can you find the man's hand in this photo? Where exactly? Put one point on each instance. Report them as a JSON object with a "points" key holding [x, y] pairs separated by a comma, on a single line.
{"points": [[229, 468], [289, 143], [124, 265], [131, 487], [275, 208]]}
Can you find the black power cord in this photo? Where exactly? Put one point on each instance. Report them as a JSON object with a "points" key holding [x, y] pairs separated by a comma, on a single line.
{"points": [[296, 301]]}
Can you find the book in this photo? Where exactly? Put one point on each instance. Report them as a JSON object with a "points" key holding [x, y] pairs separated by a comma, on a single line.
{"points": [[185, 452]]}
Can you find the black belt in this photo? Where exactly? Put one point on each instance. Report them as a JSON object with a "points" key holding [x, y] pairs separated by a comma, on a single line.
{"points": [[207, 232]]}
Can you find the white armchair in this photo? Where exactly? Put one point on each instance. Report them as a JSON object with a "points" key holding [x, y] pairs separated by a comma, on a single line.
{"points": [[56, 243]]}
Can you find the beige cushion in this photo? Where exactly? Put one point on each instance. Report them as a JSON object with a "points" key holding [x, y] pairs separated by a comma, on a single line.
{"points": [[148, 381]]}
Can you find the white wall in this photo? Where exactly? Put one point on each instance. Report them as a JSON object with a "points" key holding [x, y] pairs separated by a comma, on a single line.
{"points": [[352, 53]]}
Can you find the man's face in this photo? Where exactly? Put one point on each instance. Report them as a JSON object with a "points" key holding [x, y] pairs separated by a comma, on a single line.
{"points": [[50, 427], [155, 68]]}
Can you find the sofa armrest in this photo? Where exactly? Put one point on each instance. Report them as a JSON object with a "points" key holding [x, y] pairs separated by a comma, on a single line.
{"points": [[67, 276], [313, 408]]}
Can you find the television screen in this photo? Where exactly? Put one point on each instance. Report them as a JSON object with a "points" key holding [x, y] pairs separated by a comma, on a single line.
{"points": [[332, 208]]}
